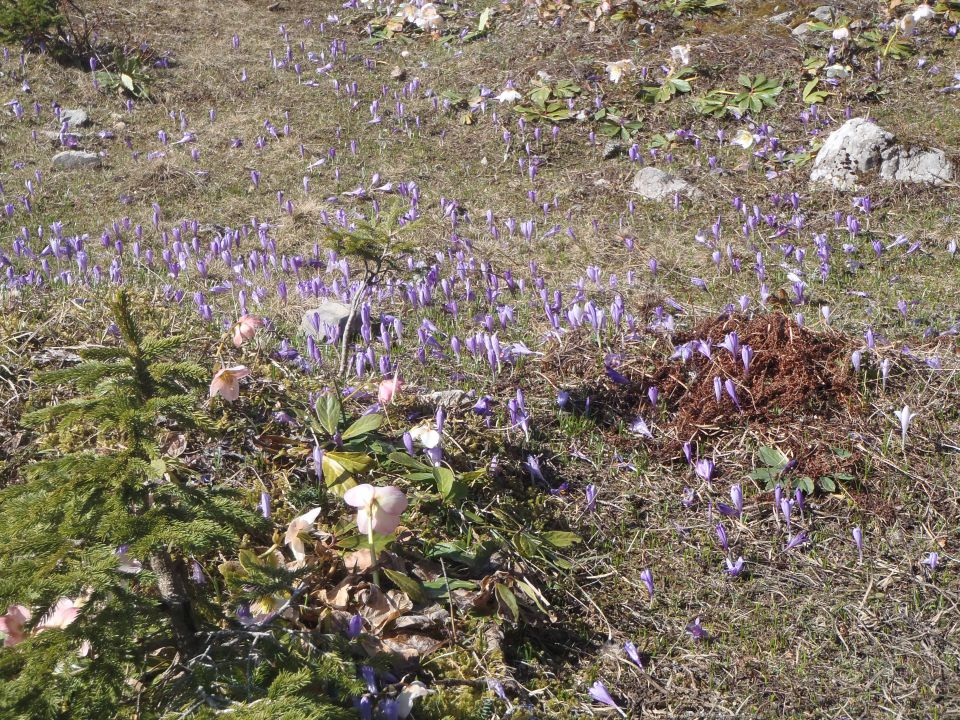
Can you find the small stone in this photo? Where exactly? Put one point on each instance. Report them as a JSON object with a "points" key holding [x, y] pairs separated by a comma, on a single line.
{"points": [[398, 73], [76, 117], [781, 18], [612, 149], [330, 313], [916, 165], [76, 159], [655, 184], [801, 29], [55, 137], [446, 398], [824, 13]]}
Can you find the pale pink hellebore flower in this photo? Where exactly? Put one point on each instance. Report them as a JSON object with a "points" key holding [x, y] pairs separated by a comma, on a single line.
{"points": [[297, 527], [378, 508], [62, 614], [11, 624], [226, 382], [389, 387], [245, 329]]}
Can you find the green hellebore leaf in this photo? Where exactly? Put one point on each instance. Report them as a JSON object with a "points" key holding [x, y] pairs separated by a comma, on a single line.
{"points": [[508, 602], [407, 584], [560, 538], [340, 467], [328, 412], [363, 425]]}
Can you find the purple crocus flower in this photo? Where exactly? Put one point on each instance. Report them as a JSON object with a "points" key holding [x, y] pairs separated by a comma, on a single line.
{"points": [[355, 627], [435, 454], [646, 577], [731, 343], [364, 707], [388, 709], [533, 467], [722, 537], [370, 678], [563, 400], [599, 693], [265, 504], [858, 541], [631, 650], [931, 561], [727, 510], [799, 539], [732, 392], [734, 568], [617, 377], [441, 418], [639, 427], [746, 355], [482, 406], [736, 495], [591, 493], [696, 630], [704, 469], [318, 460]]}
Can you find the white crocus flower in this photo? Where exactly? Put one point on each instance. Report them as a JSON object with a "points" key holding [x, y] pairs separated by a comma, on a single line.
{"points": [[905, 416], [841, 34], [617, 69], [429, 17], [680, 55], [837, 72], [743, 138], [426, 435], [923, 12], [509, 94]]}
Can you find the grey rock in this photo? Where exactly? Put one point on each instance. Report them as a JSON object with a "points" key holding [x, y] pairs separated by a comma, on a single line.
{"points": [[655, 184], [76, 117], [859, 146], [852, 149], [612, 149], [446, 398], [329, 314], [55, 137], [76, 160], [824, 13], [916, 166], [781, 18], [801, 29]]}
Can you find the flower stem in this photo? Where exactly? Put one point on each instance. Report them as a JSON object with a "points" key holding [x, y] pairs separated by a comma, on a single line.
{"points": [[373, 555]]}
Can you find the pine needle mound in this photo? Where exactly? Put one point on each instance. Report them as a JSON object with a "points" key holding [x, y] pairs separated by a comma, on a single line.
{"points": [[795, 374]]}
